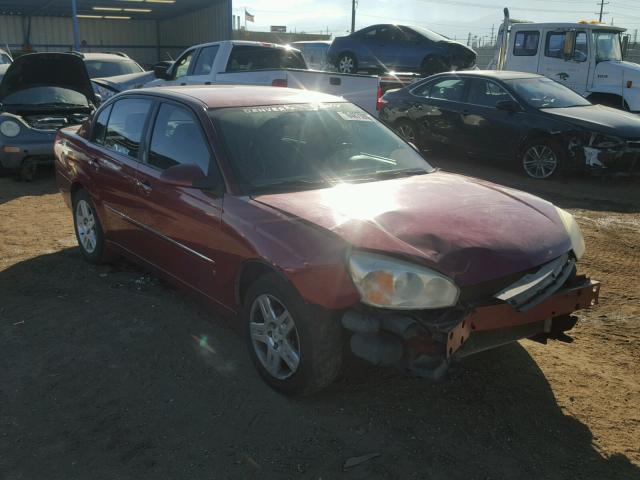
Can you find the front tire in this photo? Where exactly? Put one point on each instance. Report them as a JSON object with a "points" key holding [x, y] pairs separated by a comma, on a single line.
{"points": [[541, 159], [347, 63], [88, 229], [296, 348]]}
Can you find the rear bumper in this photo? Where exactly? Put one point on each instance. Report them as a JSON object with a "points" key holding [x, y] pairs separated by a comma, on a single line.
{"points": [[427, 346]]}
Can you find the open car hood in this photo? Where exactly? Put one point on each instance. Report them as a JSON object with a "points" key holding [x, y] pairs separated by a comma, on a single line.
{"points": [[470, 230], [64, 70]]}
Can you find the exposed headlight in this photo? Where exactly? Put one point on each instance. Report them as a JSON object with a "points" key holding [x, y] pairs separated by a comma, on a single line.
{"points": [[105, 93], [573, 229], [389, 283], [9, 128], [601, 141]]}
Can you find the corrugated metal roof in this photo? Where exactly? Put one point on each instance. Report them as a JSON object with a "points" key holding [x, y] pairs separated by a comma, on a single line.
{"points": [[160, 9]]}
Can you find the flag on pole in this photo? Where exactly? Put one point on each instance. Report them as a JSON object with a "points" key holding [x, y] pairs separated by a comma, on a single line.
{"points": [[248, 17]]}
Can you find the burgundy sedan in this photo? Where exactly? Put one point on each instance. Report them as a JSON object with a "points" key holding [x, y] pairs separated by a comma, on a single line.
{"points": [[311, 222]]}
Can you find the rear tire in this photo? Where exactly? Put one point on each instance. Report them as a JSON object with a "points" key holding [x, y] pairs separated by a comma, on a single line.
{"points": [[347, 63], [28, 169], [541, 158], [296, 348], [88, 229], [408, 130]]}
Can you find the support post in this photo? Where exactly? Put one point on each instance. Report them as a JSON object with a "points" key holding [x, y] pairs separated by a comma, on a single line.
{"points": [[76, 32]]}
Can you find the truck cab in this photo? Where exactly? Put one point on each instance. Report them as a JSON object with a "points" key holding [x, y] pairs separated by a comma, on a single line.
{"points": [[585, 56]]}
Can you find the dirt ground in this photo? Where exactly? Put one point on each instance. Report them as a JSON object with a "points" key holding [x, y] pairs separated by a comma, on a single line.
{"points": [[108, 373]]}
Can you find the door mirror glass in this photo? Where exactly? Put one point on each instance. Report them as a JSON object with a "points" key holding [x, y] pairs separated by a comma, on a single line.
{"points": [[184, 175], [508, 106]]}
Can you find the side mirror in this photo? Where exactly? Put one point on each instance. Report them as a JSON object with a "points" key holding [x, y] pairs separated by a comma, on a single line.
{"points": [[508, 106], [625, 45], [184, 175], [161, 70], [569, 44]]}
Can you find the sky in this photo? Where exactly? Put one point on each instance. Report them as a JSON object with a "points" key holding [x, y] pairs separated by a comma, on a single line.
{"points": [[453, 18]]}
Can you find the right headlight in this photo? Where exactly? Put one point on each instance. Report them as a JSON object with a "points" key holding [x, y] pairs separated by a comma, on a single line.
{"points": [[10, 128], [386, 282], [574, 232]]}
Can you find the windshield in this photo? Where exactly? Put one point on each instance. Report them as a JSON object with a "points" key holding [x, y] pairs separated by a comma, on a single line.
{"points": [[546, 93], [305, 146], [433, 36], [111, 68], [45, 96], [607, 45]]}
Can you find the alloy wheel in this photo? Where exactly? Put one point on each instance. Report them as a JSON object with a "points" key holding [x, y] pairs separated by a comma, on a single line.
{"points": [[274, 336], [86, 226], [346, 65], [540, 161], [407, 132]]}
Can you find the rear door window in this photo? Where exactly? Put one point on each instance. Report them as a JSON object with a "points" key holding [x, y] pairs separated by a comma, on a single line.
{"points": [[126, 124], [248, 57], [451, 89], [526, 44], [204, 62], [178, 139]]}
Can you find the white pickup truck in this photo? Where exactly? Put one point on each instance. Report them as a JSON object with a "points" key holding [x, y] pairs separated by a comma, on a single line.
{"points": [[586, 56], [255, 63]]}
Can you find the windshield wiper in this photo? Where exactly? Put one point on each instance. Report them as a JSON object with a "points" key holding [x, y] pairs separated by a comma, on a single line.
{"points": [[294, 183], [386, 174]]}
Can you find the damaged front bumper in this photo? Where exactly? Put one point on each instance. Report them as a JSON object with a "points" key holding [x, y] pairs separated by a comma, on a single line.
{"points": [[426, 346], [607, 154]]}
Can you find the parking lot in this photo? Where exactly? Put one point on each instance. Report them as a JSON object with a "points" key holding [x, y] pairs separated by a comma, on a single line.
{"points": [[109, 373]]}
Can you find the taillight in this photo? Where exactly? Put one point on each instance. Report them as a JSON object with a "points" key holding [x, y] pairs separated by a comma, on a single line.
{"points": [[279, 82], [380, 102]]}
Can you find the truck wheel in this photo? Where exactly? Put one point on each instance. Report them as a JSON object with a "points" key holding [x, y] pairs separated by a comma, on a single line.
{"points": [[347, 63], [88, 229], [408, 130], [28, 170], [433, 65], [296, 348], [541, 158]]}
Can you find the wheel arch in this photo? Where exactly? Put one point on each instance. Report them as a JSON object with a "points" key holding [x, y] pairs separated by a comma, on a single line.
{"points": [[249, 272]]}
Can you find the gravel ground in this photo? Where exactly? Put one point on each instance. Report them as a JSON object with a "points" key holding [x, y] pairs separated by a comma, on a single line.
{"points": [[109, 373]]}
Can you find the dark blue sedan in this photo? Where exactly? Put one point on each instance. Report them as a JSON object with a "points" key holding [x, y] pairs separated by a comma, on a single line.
{"points": [[399, 48]]}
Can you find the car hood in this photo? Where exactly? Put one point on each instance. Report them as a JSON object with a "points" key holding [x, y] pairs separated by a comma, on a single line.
{"points": [[600, 119], [470, 230], [63, 70]]}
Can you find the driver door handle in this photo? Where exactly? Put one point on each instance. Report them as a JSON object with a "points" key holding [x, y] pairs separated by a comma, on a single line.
{"points": [[144, 186]]}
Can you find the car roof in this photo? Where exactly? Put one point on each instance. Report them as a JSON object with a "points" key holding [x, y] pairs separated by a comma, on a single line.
{"points": [[103, 56], [219, 96], [497, 74]]}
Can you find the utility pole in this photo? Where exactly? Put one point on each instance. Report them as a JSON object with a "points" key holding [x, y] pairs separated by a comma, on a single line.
{"points": [[602, 4], [493, 26], [354, 4]]}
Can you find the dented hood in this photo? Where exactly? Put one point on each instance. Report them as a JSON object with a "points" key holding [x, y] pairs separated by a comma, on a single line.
{"points": [[64, 70], [470, 230]]}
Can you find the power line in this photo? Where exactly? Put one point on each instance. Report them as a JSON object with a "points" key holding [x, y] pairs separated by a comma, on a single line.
{"points": [[497, 7]]}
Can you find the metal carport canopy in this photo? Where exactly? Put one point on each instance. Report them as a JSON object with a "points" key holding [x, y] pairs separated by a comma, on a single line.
{"points": [[137, 9]]}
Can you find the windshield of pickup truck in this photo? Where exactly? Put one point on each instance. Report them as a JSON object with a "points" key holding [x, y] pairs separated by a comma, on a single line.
{"points": [[607, 45], [305, 146], [546, 93], [257, 57]]}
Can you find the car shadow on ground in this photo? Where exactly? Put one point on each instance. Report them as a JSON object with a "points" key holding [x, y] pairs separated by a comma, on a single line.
{"points": [[108, 373], [577, 190], [43, 184]]}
